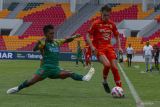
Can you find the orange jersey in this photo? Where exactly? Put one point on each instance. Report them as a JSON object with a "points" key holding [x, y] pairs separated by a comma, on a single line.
{"points": [[102, 33]]}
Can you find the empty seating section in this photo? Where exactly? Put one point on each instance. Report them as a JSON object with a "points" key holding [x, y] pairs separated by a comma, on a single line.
{"points": [[17, 42], [2, 44], [84, 29], [73, 45], [24, 43], [66, 8], [54, 15], [123, 42], [141, 14], [127, 11], [121, 12], [139, 42], [154, 38], [136, 43], [4, 13], [41, 7], [41, 14]]}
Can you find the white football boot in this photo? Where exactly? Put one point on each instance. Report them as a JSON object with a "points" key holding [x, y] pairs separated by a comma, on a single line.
{"points": [[12, 90]]}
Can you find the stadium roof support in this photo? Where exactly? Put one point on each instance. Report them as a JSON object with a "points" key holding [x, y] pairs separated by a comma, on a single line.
{"points": [[1, 5]]}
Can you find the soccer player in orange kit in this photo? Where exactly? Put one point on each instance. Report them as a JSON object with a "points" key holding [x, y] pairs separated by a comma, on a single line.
{"points": [[102, 31]]}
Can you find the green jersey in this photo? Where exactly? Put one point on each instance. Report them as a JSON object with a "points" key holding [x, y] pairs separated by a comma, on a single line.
{"points": [[51, 52], [79, 50]]}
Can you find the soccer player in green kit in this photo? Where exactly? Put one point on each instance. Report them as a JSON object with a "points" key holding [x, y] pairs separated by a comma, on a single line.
{"points": [[79, 54], [49, 48]]}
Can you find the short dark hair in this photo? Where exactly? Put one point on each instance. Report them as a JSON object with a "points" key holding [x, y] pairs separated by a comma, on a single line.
{"points": [[46, 28], [106, 8]]}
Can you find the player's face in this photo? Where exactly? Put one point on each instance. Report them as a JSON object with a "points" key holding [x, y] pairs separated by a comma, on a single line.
{"points": [[105, 15], [50, 34], [147, 43]]}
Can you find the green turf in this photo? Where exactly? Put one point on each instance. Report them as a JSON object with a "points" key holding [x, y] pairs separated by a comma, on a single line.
{"points": [[65, 93], [146, 84]]}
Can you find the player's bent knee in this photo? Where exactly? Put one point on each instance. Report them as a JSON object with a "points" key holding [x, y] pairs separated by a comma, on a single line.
{"points": [[107, 65], [64, 75]]}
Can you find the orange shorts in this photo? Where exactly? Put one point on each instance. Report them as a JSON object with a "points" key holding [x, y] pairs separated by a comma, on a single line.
{"points": [[108, 51]]}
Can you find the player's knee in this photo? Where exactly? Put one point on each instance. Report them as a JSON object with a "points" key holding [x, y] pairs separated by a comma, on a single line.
{"points": [[65, 75], [107, 66]]}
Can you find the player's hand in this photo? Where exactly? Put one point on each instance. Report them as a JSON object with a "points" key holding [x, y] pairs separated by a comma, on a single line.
{"points": [[77, 36], [94, 50]]}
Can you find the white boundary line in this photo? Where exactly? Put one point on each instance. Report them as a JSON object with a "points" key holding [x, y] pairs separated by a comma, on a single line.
{"points": [[139, 102]]}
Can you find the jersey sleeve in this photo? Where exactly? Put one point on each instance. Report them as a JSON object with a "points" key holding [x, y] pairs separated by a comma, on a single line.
{"points": [[60, 42], [41, 44], [92, 29], [115, 30]]}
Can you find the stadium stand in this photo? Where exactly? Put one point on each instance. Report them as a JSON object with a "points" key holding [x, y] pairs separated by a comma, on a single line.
{"points": [[128, 11], [2, 44], [5, 12], [139, 42], [123, 42], [41, 14], [54, 15], [32, 8], [20, 42], [73, 45]]}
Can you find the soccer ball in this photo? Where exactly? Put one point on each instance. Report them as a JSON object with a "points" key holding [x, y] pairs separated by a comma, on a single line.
{"points": [[117, 92]]}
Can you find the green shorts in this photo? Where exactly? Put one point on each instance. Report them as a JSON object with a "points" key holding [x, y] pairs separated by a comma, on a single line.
{"points": [[48, 71]]}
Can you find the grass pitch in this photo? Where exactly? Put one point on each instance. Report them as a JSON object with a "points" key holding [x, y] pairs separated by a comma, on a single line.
{"points": [[70, 93]]}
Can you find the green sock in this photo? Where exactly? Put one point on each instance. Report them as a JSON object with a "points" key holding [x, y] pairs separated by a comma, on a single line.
{"points": [[77, 77], [23, 85]]}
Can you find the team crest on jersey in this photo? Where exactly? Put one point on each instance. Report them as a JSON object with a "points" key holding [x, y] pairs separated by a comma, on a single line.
{"points": [[108, 25], [106, 33], [53, 49]]}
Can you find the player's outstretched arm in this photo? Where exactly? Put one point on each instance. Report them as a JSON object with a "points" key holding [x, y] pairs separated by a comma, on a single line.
{"points": [[72, 38], [39, 47]]}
